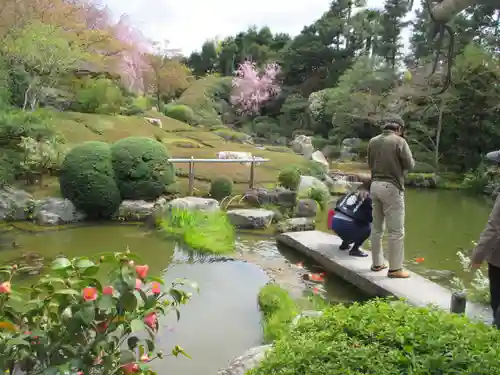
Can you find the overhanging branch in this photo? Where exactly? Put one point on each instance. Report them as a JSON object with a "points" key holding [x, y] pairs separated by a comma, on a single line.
{"points": [[447, 9]]}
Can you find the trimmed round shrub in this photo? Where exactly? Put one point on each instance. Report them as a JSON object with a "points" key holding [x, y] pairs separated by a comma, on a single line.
{"points": [[142, 169], [221, 187], [87, 179], [180, 112], [381, 338], [289, 178]]}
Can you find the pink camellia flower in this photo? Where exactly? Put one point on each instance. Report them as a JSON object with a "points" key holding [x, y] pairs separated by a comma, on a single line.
{"points": [[155, 288], [107, 291], [142, 271], [151, 320], [130, 368], [138, 284], [5, 288], [89, 294]]}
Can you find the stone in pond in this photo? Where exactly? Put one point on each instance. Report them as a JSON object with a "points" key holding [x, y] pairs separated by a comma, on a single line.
{"points": [[256, 218], [249, 360], [306, 208], [193, 203], [56, 211], [139, 210], [296, 224], [15, 204]]}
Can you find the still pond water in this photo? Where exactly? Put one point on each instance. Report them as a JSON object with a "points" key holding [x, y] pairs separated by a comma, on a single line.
{"points": [[223, 320]]}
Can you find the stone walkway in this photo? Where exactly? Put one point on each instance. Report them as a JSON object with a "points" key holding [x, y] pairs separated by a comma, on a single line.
{"points": [[417, 290]]}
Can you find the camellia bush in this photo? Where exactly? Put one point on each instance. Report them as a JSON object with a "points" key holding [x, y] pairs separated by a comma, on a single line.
{"points": [[384, 337], [85, 317]]}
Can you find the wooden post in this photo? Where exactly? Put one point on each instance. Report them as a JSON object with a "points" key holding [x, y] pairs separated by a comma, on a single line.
{"points": [[252, 173], [458, 302], [191, 177]]}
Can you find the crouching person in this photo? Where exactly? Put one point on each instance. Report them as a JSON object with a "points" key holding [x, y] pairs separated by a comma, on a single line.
{"points": [[351, 220]]}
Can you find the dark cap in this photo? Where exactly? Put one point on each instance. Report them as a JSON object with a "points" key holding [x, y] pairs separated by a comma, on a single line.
{"points": [[493, 156], [393, 120]]}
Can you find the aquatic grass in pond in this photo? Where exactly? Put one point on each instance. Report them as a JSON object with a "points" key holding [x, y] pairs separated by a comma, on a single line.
{"points": [[204, 231], [278, 310]]}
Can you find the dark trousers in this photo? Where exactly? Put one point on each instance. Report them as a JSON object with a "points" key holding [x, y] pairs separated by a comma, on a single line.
{"points": [[351, 231], [494, 277]]}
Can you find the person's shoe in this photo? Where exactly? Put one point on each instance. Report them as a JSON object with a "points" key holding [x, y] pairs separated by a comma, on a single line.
{"points": [[357, 253], [378, 268], [344, 246], [398, 274]]}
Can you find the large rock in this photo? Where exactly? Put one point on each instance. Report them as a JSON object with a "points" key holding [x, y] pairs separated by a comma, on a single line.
{"points": [[280, 197], [302, 144], [254, 218], [56, 211], [140, 210], [318, 157], [193, 203], [308, 182], [15, 204], [249, 360], [296, 224], [306, 208]]}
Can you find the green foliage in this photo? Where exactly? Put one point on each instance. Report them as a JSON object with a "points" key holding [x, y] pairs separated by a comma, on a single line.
{"points": [[289, 178], [137, 106], [231, 135], [378, 337], [317, 194], [478, 179], [205, 231], [312, 168], [86, 316], [180, 112], [99, 95], [7, 170], [319, 142], [278, 309], [203, 97], [141, 167], [87, 179], [221, 187]]}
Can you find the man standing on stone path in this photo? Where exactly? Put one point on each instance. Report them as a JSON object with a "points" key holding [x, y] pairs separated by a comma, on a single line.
{"points": [[389, 157], [488, 248]]}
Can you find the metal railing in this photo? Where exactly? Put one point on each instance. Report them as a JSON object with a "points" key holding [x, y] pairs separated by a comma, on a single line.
{"points": [[191, 161]]}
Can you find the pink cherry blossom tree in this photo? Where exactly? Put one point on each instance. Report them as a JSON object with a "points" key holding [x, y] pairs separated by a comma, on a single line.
{"points": [[252, 87]]}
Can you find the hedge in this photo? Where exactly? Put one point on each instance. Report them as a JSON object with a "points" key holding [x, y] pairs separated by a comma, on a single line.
{"points": [[87, 179], [142, 169], [381, 337]]}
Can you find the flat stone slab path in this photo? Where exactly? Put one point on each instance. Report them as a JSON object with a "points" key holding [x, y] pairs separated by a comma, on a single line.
{"points": [[417, 290]]}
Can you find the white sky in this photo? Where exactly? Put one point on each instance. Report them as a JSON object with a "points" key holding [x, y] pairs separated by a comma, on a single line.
{"points": [[186, 24]]}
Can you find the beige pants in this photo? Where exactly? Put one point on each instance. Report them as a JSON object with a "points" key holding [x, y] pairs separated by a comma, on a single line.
{"points": [[388, 208]]}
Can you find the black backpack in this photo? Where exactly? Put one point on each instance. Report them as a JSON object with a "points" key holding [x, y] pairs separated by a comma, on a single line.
{"points": [[349, 205]]}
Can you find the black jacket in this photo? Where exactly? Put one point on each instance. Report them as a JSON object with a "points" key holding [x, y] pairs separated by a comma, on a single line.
{"points": [[362, 214]]}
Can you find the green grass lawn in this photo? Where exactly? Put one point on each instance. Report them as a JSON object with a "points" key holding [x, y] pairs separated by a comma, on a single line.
{"points": [[182, 141]]}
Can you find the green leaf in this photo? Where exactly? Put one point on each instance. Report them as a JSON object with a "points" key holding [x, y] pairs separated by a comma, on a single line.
{"points": [[60, 264], [17, 341], [128, 301], [105, 303], [128, 276], [178, 350], [137, 325], [157, 279], [151, 345], [126, 356], [132, 342], [91, 271], [71, 292], [87, 313], [84, 264]]}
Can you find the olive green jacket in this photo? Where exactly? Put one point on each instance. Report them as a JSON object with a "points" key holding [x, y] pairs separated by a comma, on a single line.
{"points": [[488, 246], [389, 157]]}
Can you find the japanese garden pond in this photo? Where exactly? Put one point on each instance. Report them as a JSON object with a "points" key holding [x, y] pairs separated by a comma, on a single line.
{"points": [[223, 319]]}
